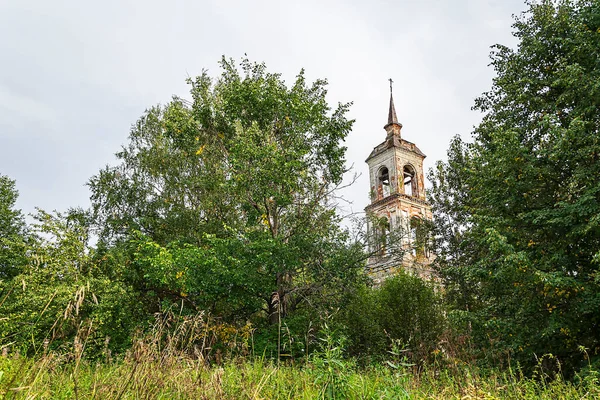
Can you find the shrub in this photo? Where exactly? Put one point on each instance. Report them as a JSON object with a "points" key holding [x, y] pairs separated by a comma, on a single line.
{"points": [[404, 309]]}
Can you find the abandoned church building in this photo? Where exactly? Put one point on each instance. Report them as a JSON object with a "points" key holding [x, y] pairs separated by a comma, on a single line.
{"points": [[398, 206]]}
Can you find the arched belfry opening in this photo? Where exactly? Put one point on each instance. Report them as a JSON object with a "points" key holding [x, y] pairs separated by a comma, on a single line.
{"points": [[410, 180], [383, 181], [416, 239], [383, 232]]}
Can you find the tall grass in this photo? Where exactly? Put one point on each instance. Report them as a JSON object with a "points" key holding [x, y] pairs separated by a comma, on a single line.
{"points": [[177, 360], [177, 378]]}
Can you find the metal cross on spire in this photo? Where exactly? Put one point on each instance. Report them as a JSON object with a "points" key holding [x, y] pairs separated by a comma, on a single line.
{"points": [[392, 119]]}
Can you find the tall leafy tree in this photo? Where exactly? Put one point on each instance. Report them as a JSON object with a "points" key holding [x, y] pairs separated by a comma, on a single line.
{"points": [[238, 180], [518, 210], [246, 151]]}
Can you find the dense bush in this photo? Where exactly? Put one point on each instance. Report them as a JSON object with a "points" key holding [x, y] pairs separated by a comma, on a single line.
{"points": [[404, 311], [60, 292]]}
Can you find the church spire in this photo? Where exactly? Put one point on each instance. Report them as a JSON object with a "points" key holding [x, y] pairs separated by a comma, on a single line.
{"points": [[392, 118], [392, 127]]}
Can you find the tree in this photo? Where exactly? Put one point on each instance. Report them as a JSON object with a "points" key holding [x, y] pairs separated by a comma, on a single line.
{"points": [[247, 151], [238, 180], [404, 311], [60, 292], [12, 231], [518, 209]]}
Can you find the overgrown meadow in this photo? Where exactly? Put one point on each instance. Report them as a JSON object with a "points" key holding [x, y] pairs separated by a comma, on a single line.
{"points": [[168, 363]]}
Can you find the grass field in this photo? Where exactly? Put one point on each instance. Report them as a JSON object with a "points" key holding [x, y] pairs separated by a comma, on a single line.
{"points": [[177, 377], [169, 364]]}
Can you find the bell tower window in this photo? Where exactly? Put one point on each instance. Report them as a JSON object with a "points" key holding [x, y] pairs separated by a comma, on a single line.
{"points": [[383, 182], [383, 230], [410, 181]]}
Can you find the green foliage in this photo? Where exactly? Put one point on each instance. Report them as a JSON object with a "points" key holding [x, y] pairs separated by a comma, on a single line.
{"points": [[247, 153], [360, 318], [331, 370], [59, 290], [403, 310], [222, 205], [411, 312], [293, 339], [12, 231], [517, 210], [225, 277], [225, 203]]}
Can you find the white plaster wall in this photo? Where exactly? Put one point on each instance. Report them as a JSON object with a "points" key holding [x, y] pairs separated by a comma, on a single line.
{"points": [[388, 160]]}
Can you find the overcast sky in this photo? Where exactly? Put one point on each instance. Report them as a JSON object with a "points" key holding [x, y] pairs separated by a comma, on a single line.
{"points": [[74, 75]]}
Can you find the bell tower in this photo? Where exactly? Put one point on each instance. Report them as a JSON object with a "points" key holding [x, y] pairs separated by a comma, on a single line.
{"points": [[398, 209]]}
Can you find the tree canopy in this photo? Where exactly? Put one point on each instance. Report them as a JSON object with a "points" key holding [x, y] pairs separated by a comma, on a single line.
{"points": [[225, 202], [518, 209], [247, 153]]}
